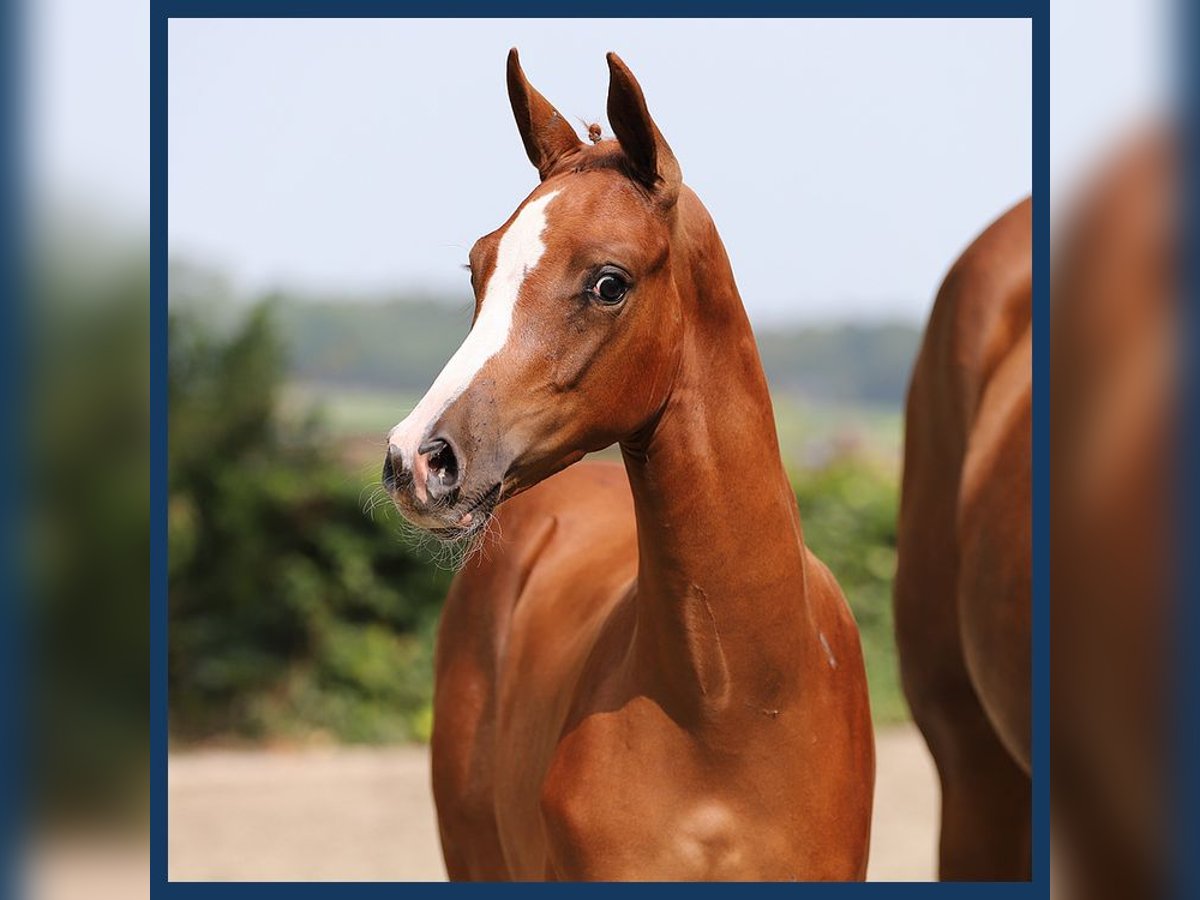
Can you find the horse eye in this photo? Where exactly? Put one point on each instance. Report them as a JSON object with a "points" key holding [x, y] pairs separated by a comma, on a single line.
{"points": [[610, 288]]}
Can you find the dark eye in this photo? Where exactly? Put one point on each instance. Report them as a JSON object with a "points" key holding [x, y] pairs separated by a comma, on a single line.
{"points": [[610, 287]]}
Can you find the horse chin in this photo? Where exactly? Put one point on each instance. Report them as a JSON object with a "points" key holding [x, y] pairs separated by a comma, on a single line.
{"points": [[463, 521]]}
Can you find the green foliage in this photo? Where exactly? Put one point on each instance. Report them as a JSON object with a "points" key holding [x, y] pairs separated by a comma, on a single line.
{"points": [[848, 509], [292, 611]]}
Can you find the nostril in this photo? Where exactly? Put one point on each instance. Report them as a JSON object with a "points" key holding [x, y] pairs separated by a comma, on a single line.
{"points": [[442, 461]]}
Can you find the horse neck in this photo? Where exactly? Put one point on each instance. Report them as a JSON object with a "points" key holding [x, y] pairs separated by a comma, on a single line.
{"points": [[722, 598]]}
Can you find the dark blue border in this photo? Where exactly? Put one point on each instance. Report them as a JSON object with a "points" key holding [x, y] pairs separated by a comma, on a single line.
{"points": [[158, 448], [1186, 681], [533, 9], [13, 443], [1041, 450], [162, 10]]}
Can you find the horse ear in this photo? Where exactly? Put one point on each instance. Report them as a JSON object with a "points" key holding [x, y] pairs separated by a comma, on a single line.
{"points": [[547, 135], [652, 162]]}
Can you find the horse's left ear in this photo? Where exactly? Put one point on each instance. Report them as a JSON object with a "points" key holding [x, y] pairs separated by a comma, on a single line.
{"points": [[651, 160]]}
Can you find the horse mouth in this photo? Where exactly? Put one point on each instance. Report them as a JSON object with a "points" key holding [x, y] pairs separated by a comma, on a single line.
{"points": [[473, 518]]}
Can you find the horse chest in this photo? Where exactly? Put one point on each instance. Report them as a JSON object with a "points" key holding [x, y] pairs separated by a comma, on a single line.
{"points": [[621, 801], [615, 820]]}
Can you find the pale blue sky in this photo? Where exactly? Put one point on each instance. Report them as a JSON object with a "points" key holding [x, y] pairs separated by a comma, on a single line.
{"points": [[890, 142], [846, 163]]}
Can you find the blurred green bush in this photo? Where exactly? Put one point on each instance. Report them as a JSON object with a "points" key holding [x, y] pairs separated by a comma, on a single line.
{"points": [[294, 615], [848, 508]]}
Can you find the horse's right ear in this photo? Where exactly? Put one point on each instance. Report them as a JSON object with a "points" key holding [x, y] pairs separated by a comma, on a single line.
{"points": [[547, 135]]}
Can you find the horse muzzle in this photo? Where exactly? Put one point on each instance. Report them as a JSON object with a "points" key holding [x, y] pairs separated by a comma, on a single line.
{"points": [[430, 491]]}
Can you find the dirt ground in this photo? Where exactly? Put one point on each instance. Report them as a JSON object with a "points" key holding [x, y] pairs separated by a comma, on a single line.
{"points": [[366, 814]]}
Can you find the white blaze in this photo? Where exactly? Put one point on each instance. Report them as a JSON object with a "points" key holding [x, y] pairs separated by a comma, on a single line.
{"points": [[520, 249]]}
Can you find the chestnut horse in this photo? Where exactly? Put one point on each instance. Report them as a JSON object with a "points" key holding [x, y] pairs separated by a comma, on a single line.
{"points": [[647, 675], [963, 571]]}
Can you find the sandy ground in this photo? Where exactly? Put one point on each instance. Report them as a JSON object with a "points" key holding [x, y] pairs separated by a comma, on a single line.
{"points": [[367, 814]]}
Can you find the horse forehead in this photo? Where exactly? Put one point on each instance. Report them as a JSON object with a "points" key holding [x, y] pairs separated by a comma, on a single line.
{"points": [[589, 193], [560, 214], [598, 209]]}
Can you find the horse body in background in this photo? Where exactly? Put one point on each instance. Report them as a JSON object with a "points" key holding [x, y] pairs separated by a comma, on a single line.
{"points": [[962, 585], [646, 675], [962, 591]]}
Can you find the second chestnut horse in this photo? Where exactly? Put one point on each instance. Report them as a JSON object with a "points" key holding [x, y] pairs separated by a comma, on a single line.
{"points": [[963, 573], [647, 675]]}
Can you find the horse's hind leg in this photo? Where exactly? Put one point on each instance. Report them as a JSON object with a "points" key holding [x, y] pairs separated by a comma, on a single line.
{"points": [[985, 794], [985, 797]]}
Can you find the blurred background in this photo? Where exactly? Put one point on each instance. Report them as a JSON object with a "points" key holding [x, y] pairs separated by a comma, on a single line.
{"points": [[326, 179]]}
